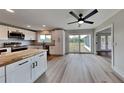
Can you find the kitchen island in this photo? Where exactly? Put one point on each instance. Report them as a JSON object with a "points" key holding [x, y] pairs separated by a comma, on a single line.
{"points": [[23, 66]]}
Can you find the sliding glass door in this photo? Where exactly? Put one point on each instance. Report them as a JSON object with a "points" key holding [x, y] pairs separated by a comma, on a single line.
{"points": [[79, 43], [73, 43], [85, 43]]}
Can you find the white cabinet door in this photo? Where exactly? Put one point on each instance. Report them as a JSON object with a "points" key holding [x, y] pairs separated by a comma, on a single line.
{"points": [[44, 61], [2, 74], [33, 69], [3, 32], [29, 35], [19, 72], [20, 30], [32, 35], [2, 79], [39, 65], [12, 29]]}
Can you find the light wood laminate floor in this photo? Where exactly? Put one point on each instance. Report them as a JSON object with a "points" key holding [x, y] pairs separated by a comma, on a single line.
{"points": [[78, 68]]}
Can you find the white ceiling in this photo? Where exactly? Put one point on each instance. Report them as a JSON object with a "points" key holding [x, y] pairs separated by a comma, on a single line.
{"points": [[53, 18]]}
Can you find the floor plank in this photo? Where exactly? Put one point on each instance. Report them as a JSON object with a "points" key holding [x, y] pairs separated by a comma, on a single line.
{"points": [[79, 68]]}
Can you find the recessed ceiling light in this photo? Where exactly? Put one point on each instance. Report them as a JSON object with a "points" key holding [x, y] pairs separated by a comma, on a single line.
{"points": [[44, 25], [10, 10], [28, 26]]}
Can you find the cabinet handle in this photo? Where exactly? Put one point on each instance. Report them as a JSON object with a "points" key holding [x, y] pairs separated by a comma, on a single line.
{"points": [[23, 63], [41, 55], [36, 63], [33, 65]]}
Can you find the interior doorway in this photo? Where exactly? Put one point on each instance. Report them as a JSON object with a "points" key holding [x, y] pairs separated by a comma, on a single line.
{"points": [[80, 43], [104, 43]]}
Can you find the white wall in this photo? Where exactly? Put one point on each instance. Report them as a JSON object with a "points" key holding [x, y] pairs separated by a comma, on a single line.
{"points": [[83, 31], [118, 23]]}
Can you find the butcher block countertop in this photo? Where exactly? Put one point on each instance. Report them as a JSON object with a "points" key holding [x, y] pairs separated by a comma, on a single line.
{"points": [[17, 56]]}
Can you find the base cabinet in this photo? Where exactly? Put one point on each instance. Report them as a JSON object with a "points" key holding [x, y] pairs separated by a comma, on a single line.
{"points": [[27, 70], [39, 65], [2, 79], [2, 74], [18, 72], [43, 59]]}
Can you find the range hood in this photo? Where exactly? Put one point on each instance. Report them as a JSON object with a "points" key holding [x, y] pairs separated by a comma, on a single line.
{"points": [[17, 35]]}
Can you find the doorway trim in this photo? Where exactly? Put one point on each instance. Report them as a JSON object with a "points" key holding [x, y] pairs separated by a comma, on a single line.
{"points": [[111, 26]]}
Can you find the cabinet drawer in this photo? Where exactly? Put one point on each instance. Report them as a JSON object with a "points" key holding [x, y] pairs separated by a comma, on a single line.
{"points": [[17, 64], [2, 71]]}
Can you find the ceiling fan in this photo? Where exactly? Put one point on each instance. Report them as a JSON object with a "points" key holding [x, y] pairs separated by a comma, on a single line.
{"points": [[81, 19]]}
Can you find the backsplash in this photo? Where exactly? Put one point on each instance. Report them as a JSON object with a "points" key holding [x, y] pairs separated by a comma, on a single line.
{"points": [[23, 42]]}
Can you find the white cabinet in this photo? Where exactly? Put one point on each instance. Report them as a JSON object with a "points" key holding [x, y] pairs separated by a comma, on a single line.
{"points": [[2, 79], [34, 66], [59, 37], [42, 60], [32, 35], [39, 65], [2, 74], [27, 70], [19, 72], [29, 35], [11, 29], [3, 32]]}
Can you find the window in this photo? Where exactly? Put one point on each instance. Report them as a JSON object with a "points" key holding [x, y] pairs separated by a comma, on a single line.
{"points": [[103, 42], [45, 38], [109, 42]]}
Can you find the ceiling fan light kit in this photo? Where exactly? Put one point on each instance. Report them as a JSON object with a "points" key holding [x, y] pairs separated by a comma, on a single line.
{"points": [[80, 22], [82, 19]]}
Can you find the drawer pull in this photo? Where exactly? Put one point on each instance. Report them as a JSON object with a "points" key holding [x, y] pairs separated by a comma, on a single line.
{"points": [[23, 63]]}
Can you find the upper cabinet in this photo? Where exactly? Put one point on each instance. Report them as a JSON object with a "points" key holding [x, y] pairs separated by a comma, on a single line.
{"points": [[11, 29], [3, 32], [29, 35], [32, 35]]}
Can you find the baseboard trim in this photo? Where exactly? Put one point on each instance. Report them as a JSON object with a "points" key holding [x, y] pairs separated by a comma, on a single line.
{"points": [[118, 75]]}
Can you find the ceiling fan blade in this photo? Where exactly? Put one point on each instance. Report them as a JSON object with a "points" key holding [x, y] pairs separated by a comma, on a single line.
{"points": [[90, 14], [73, 22], [74, 15], [89, 22]]}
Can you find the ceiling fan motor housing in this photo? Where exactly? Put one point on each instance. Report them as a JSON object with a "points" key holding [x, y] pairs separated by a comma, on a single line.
{"points": [[80, 19], [80, 15]]}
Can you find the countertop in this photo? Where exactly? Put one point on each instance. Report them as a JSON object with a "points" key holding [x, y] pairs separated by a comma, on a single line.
{"points": [[17, 56]]}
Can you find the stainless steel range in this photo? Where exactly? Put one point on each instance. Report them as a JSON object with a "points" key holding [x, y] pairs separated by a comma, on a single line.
{"points": [[15, 46]]}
